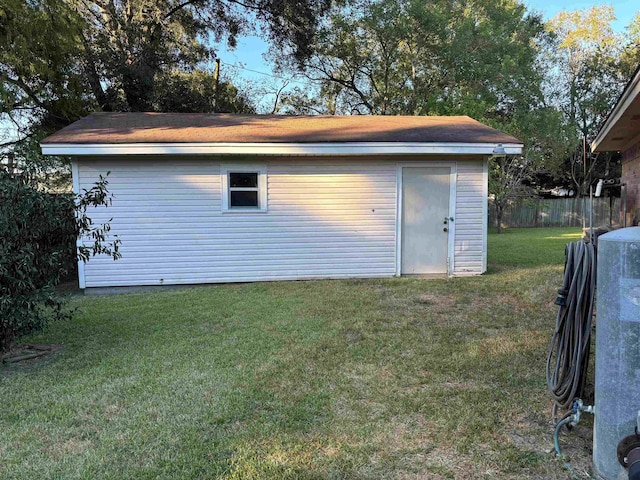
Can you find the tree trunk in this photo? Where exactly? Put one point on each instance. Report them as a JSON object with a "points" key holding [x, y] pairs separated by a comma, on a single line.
{"points": [[137, 83], [93, 78], [499, 217]]}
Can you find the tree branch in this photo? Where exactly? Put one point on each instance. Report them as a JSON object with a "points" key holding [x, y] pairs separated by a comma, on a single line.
{"points": [[178, 8], [18, 82], [15, 142], [350, 84], [278, 93]]}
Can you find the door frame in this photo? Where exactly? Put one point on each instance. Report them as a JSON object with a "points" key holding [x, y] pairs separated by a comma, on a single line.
{"points": [[452, 210]]}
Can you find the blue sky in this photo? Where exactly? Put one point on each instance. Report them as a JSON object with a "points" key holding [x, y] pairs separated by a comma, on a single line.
{"points": [[250, 51], [625, 9]]}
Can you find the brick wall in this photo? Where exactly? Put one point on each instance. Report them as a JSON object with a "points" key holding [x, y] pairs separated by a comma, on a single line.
{"points": [[631, 176]]}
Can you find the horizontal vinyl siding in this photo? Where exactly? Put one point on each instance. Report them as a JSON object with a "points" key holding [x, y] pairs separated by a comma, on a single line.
{"points": [[325, 219], [470, 233]]}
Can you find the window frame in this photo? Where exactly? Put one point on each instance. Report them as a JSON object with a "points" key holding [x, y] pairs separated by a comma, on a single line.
{"points": [[226, 189]]}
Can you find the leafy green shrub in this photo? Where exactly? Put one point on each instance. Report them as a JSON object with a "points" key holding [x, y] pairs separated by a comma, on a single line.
{"points": [[38, 233]]}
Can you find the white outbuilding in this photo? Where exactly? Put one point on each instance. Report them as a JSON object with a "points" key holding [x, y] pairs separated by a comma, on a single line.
{"points": [[202, 198]]}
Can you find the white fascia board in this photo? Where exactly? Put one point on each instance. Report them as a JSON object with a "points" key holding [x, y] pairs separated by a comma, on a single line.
{"points": [[364, 148], [628, 96]]}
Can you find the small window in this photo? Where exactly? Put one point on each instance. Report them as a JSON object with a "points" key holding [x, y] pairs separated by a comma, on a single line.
{"points": [[244, 188], [243, 180], [243, 199]]}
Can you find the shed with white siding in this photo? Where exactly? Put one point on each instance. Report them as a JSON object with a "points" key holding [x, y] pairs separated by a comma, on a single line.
{"points": [[228, 198]]}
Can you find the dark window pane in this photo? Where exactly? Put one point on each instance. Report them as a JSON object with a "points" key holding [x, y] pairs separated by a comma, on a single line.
{"points": [[244, 199], [245, 180]]}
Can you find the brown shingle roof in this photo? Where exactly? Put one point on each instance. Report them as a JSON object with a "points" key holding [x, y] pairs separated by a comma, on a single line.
{"points": [[120, 128]]}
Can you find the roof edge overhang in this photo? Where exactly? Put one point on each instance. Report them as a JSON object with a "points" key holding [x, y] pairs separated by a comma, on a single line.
{"points": [[294, 149], [629, 94]]}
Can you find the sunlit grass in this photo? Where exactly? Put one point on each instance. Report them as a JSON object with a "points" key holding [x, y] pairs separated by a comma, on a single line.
{"points": [[572, 237], [398, 378], [531, 246]]}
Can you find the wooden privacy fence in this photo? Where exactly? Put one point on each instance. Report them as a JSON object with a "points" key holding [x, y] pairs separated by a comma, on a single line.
{"points": [[557, 212]]}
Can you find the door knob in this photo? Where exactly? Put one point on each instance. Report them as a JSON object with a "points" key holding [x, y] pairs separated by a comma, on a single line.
{"points": [[445, 229]]}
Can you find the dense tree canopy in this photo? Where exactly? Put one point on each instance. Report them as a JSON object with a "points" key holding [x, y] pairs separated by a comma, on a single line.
{"points": [[586, 66], [549, 83], [60, 59], [440, 57], [420, 58], [195, 92]]}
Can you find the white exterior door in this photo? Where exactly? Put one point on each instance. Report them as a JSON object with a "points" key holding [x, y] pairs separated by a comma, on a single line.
{"points": [[425, 219]]}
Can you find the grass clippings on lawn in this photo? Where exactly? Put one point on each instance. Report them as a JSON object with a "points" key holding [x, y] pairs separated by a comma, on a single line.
{"points": [[399, 378]]}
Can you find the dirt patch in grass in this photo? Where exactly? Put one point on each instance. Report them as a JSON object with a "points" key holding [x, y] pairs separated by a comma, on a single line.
{"points": [[510, 343], [441, 302], [525, 433], [71, 446], [28, 355]]}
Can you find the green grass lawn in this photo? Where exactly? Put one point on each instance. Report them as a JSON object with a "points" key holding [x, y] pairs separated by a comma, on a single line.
{"points": [[530, 246], [399, 378]]}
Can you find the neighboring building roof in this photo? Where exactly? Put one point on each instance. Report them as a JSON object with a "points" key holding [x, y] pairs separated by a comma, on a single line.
{"points": [[176, 133], [622, 127]]}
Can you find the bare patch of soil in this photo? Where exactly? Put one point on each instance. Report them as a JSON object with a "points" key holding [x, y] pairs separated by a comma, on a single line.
{"points": [[29, 353], [68, 286]]}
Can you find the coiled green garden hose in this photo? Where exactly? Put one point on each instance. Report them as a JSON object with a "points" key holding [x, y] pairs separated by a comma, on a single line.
{"points": [[568, 357]]}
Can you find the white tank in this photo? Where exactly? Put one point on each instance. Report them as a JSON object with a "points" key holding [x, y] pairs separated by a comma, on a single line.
{"points": [[617, 396]]}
